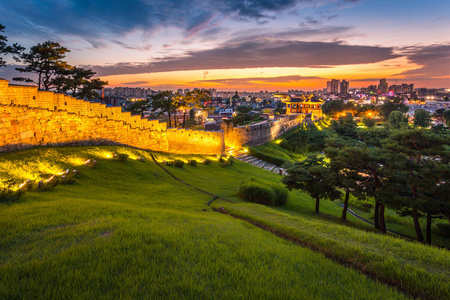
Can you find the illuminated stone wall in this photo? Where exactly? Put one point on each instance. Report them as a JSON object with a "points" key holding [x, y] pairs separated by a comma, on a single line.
{"points": [[23, 127], [29, 117], [195, 141], [259, 133]]}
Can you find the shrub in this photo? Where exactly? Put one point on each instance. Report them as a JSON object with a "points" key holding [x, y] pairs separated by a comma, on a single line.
{"points": [[49, 185], [444, 229], [192, 162], [68, 179], [178, 163], [8, 195], [225, 163], [120, 156], [281, 194], [222, 159], [168, 163], [285, 145], [231, 160], [256, 192], [207, 162]]}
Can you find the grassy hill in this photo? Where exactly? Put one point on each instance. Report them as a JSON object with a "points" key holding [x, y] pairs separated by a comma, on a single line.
{"points": [[128, 229]]}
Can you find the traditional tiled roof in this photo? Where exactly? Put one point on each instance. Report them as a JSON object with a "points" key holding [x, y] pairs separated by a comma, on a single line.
{"points": [[301, 99]]}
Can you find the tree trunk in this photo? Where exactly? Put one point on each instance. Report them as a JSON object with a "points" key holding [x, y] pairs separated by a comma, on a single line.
{"points": [[39, 80], [170, 123], [415, 215], [317, 205], [344, 211], [184, 119], [428, 228], [375, 217], [381, 218]]}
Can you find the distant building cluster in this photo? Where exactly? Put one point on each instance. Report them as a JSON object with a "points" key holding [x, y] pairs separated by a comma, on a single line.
{"points": [[337, 87], [129, 92]]}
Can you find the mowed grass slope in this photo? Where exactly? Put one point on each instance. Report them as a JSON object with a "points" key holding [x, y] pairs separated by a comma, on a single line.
{"points": [[130, 230]]}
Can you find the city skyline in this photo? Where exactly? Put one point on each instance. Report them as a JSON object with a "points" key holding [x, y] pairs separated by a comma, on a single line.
{"points": [[236, 45]]}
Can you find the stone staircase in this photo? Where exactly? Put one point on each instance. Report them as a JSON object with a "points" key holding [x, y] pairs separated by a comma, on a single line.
{"points": [[242, 155]]}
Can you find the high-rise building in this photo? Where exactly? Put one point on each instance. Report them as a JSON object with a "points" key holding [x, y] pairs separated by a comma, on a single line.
{"points": [[383, 87], [407, 88], [344, 86], [333, 87]]}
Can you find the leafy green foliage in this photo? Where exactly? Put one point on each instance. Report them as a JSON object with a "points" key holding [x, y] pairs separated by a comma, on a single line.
{"points": [[446, 116], [266, 156], [245, 118], [422, 118], [345, 126], [8, 194], [313, 176], [263, 192], [243, 109], [120, 156], [368, 122], [397, 119], [178, 163], [335, 107], [256, 192], [46, 60], [392, 105], [165, 102], [192, 162], [15, 49], [137, 107]]}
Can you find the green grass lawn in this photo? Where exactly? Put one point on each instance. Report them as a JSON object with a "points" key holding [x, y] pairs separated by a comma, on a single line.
{"points": [[129, 230], [413, 266]]}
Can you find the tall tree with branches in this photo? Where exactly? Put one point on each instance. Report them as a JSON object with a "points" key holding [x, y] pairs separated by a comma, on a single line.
{"points": [[313, 176], [165, 102], [192, 99], [47, 61]]}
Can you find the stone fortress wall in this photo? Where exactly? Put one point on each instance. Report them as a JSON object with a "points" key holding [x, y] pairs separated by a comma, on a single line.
{"points": [[30, 118], [257, 134]]}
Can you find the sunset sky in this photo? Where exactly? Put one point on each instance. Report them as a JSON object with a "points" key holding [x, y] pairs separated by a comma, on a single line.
{"points": [[245, 45]]}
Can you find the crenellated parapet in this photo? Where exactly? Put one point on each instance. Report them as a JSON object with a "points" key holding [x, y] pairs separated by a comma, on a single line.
{"points": [[29, 118], [30, 96]]}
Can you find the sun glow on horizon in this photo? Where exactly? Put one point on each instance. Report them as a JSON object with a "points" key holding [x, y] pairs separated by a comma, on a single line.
{"points": [[256, 79]]}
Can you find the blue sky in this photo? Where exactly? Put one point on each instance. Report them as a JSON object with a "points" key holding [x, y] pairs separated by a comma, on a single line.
{"points": [[231, 44]]}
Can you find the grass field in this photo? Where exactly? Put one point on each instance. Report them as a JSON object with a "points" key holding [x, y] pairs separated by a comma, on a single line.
{"points": [[129, 230]]}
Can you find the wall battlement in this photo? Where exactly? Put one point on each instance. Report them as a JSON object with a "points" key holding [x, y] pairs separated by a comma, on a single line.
{"points": [[30, 118], [31, 97]]}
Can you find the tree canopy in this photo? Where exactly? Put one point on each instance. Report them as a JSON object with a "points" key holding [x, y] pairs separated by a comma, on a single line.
{"points": [[422, 118], [313, 176], [47, 61], [5, 49]]}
